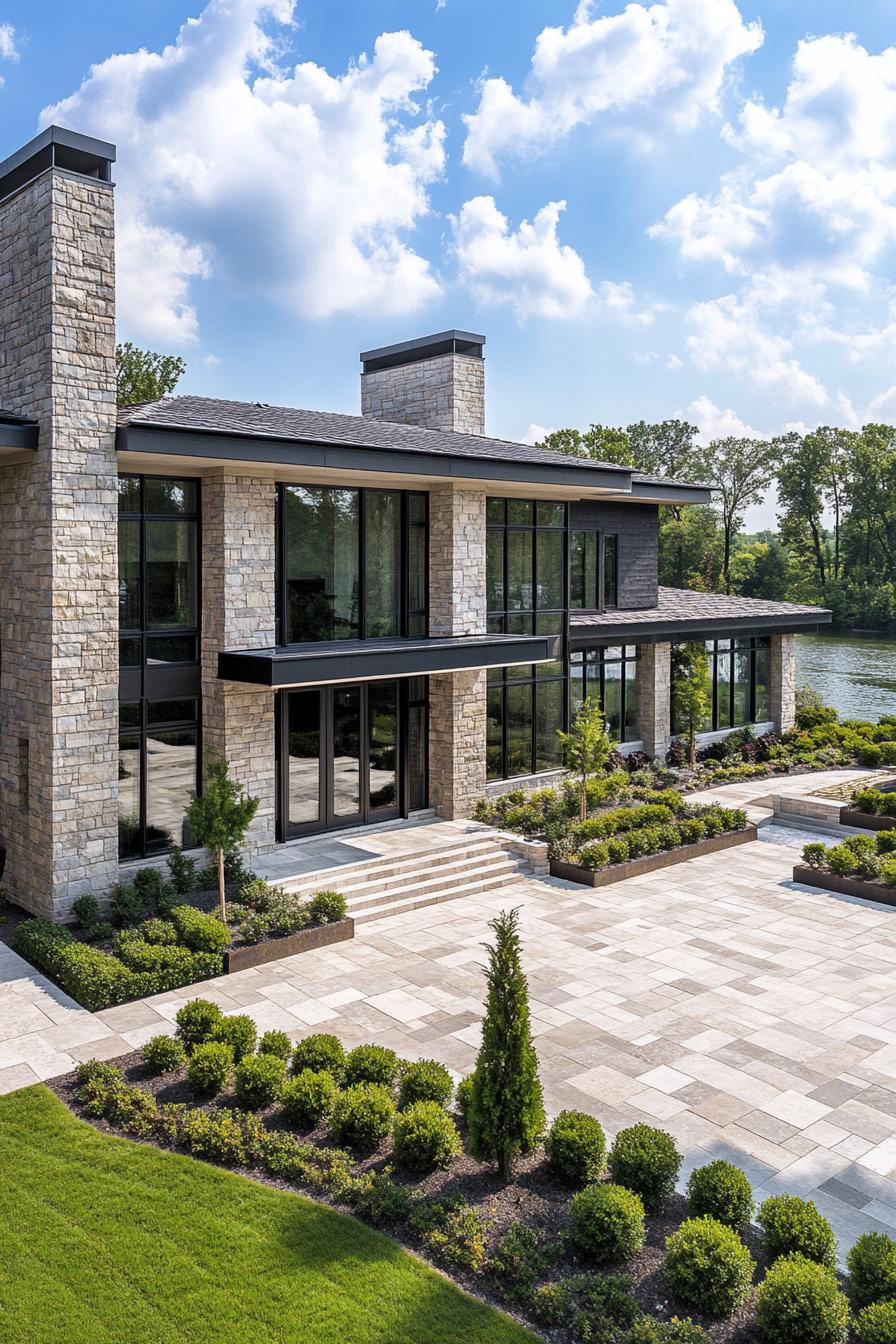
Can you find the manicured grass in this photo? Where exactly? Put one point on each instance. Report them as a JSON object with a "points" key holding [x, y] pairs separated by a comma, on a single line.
{"points": [[103, 1241]]}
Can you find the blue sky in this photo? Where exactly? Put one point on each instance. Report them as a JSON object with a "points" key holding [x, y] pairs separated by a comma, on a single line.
{"points": [[725, 250]]}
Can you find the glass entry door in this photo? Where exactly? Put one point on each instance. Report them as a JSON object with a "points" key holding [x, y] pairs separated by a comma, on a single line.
{"points": [[341, 758]]}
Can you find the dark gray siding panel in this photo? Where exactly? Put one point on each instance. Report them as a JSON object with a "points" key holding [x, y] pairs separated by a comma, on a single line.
{"points": [[637, 526]]}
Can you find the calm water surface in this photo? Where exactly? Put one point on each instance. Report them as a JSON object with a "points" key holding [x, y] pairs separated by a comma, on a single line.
{"points": [[856, 675]]}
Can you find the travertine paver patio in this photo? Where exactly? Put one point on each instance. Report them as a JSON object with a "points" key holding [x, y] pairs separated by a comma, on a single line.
{"points": [[752, 1018]]}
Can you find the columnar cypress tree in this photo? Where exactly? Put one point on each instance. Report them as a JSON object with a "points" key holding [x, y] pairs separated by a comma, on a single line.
{"points": [[506, 1113]]}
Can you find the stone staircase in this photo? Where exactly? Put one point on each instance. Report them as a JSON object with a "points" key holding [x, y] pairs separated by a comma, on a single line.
{"points": [[392, 884]]}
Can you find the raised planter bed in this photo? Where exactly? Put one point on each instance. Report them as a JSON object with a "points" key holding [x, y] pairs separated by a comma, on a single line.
{"points": [[651, 863], [844, 886], [865, 821], [272, 949]]}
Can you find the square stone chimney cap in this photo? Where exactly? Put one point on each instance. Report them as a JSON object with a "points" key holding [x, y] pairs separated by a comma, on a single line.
{"points": [[424, 347], [56, 147]]}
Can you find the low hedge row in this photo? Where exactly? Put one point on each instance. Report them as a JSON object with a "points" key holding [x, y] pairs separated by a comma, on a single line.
{"points": [[655, 839], [870, 858], [878, 802]]}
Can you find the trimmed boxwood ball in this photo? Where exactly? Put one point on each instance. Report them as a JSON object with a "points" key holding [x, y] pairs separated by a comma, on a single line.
{"points": [[721, 1190], [308, 1098], [371, 1064], [708, 1267], [163, 1054], [199, 932], [257, 1081], [872, 1269], [424, 1137], [607, 1223], [426, 1080], [362, 1115], [320, 1053], [798, 1302], [210, 1067], [793, 1226], [876, 1324], [576, 1148], [239, 1032], [327, 907], [645, 1160], [275, 1043], [196, 1022]]}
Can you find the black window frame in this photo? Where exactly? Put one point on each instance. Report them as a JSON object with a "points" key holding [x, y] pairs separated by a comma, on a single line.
{"points": [[602, 601], [143, 633], [408, 617], [140, 734], [744, 644], [597, 653]]}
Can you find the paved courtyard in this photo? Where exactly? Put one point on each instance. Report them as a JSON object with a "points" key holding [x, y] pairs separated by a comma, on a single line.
{"points": [[752, 1018]]}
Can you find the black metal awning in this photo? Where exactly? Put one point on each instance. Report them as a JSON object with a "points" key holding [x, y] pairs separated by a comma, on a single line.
{"points": [[373, 659]]}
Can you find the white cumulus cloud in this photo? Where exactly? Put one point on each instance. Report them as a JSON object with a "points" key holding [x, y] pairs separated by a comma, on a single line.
{"points": [[652, 65], [291, 183], [9, 50]]}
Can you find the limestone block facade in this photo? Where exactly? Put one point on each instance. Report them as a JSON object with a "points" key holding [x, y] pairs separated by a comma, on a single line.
{"points": [[446, 392], [783, 682], [654, 676]]}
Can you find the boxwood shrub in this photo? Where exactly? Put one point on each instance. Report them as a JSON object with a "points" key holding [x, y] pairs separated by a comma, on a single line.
{"points": [[327, 907], [320, 1053], [371, 1064], [425, 1080], [210, 1067], [308, 1098], [258, 1080], [199, 932], [275, 1043], [196, 1022], [424, 1137], [645, 1160], [576, 1148], [362, 1115], [708, 1267], [798, 1302], [872, 1269], [607, 1223], [721, 1190], [164, 1054], [239, 1032], [876, 1324], [793, 1226]]}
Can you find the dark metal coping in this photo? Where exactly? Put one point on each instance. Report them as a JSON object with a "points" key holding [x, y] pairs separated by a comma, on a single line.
{"points": [[17, 432], [367, 659], [56, 148], [424, 347], [172, 440], [641, 631]]}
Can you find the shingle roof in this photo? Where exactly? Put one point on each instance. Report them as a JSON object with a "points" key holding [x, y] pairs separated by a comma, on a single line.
{"points": [[283, 422], [680, 606]]}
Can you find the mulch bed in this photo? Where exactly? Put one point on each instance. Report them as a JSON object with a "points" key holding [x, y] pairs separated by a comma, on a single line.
{"points": [[532, 1197]]}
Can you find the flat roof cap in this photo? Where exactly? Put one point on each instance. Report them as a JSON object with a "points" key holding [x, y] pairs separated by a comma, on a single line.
{"points": [[57, 147], [451, 342]]}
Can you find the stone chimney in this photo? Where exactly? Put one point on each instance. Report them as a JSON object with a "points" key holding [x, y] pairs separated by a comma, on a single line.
{"points": [[437, 382], [58, 524]]}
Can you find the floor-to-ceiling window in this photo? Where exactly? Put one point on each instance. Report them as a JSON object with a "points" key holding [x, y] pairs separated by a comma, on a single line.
{"points": [[526, 594], [352, 564], [593, 570], [610, 676], [158, 597], [739, 671]]}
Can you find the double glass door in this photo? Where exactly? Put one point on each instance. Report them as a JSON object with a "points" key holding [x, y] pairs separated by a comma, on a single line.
{"points": [[340, 757]]}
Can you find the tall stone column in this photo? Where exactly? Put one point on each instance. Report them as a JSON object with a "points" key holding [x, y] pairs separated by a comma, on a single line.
{"points": [[783, 682], [238, 612], [456, 607], [654, 678], [58, 535]]}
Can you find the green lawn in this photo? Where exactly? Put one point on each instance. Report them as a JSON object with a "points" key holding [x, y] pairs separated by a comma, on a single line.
{"points": [[104, 1241]]}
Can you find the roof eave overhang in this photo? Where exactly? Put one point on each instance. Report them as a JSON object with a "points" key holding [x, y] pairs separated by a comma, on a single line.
{"points": [[19, 438], [172, 441], [655, 493], [652, 631], [301, 665]]}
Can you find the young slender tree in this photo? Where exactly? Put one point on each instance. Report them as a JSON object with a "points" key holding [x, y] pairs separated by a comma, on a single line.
{"points": [[692, 688], [143, 376], [740, 470], [220, 817], [506, 1112], [586, 747]]}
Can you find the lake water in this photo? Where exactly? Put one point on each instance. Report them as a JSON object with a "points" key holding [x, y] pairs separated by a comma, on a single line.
{"points": [[856, 675]]}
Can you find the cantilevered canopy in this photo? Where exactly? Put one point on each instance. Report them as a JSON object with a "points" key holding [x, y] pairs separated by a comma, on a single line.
{"points": [[373, 659]]}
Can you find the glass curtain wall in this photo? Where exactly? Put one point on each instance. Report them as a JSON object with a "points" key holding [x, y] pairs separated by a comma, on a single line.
{"points": [[353, 564], [740, 671], [526, 594], [593, 570], [609, 675], [158, 600]]}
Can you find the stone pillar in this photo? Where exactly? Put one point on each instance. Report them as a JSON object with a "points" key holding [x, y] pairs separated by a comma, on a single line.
{"points": [[238, 612], [437, 382], [456, 607], [58, 539], [783, 682], [654, 675]]}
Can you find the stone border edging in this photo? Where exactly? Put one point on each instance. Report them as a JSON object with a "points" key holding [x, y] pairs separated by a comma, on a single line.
{"points": [[651, 863], [272, 949], [865, 821], [844, 886]]}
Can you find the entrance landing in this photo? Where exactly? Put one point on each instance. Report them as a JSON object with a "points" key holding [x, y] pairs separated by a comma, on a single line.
{"points": [[338, 849]]}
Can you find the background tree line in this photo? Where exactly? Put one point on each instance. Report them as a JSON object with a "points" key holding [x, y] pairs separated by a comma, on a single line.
{"points": [[836, 538]]}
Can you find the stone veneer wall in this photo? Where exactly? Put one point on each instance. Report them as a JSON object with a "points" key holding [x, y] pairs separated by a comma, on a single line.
{"points": [[783, 682], [654, 678], [238, 612], [445, 392], [456, 607], [58, 545]]}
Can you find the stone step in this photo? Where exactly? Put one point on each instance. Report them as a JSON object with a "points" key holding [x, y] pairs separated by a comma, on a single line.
{"points": [[494, 866], [407, 903], [348, 877]]}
